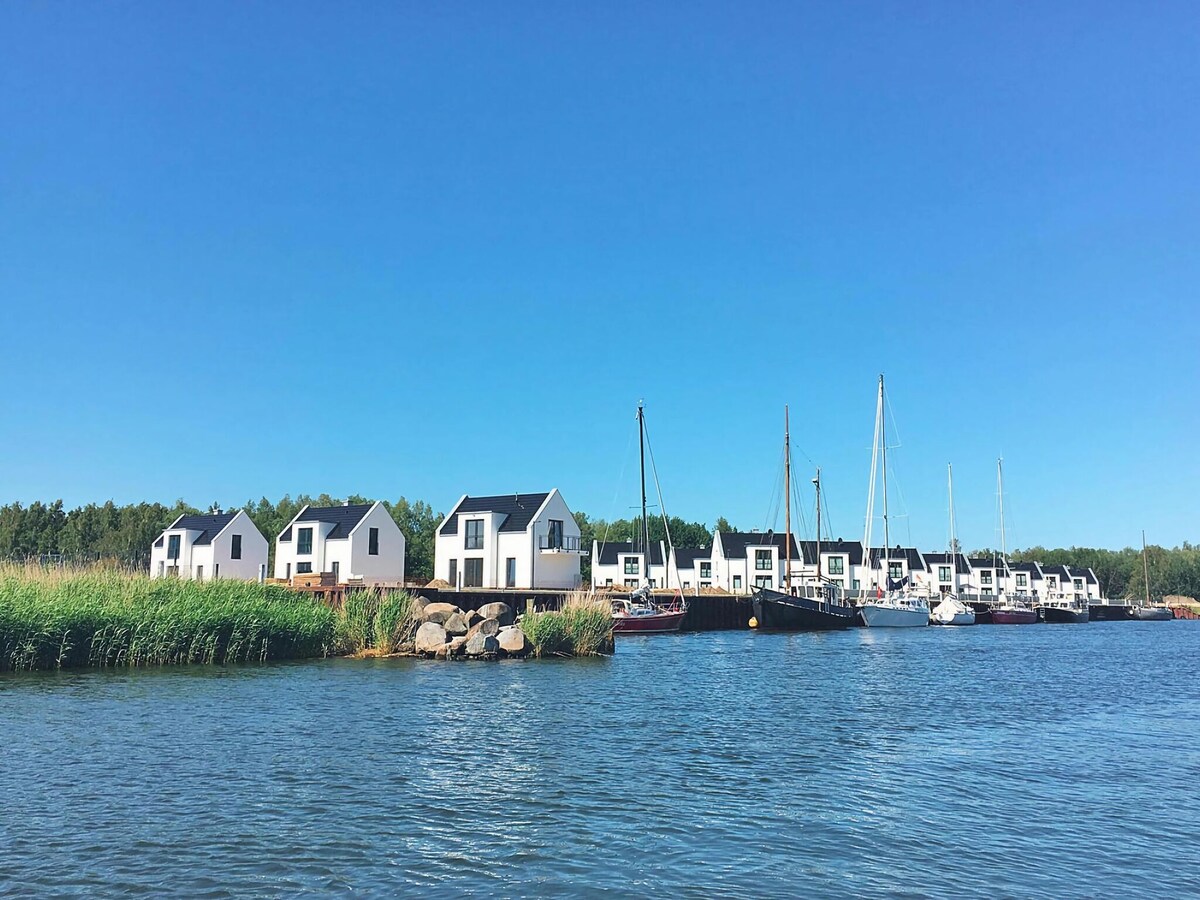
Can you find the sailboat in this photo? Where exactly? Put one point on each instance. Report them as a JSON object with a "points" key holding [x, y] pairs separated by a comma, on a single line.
{"points": [[899, 606], [1149, 612], [952, 611], [1008, 609], [642, 613], [815, 606]]}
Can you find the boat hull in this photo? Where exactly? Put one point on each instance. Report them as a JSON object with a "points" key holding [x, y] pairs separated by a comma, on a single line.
{"points": [[776, 611], [657, 623], [880, 616], [1151, 613], [959, 618], [1056, 614], [1014, 616]]}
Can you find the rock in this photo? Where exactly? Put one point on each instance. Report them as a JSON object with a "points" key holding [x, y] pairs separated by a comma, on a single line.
{"points": [[442, 652], [501, 611], [471, 617], [430, 637], [418, 605], [457, 644], [439, 612], [512, 641], [405, 647], [481, 645], [455, 625], [484, 626]]}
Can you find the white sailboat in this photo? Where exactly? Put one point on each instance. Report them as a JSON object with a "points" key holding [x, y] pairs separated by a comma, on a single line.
{"points": [[895, 607], [952, 611]]}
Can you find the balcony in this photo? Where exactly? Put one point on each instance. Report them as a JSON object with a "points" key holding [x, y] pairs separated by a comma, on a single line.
{"points": [[561, 544]]}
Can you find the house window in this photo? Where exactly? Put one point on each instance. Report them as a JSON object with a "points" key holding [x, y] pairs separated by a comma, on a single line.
{"points": [[631, 582], [706, 570], [762, 560], [1052, 582], [686, 585], [943, 573], [631, 565], [1021, 580], [303, 542], [705, 584], [555, 541], [173, 547], [373, 542], [235, 547], [452, 577], [303, 568], [216, 570], [510, 572], [199, 573], [474, 540], [835, 566], [895, 570], [473, 572], [608, 582], [762, 581], [855, 584], [985, 577], [1078, 584], [737, 582], [336, 570], [287, 572], [987, 592]]}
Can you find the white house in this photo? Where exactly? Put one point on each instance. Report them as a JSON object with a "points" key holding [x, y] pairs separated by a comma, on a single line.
{"points": [[521, 541], [624, 564], [690, 567], [352, 541], [841, 562], [945, 573], [217, 545], [743, 561]]}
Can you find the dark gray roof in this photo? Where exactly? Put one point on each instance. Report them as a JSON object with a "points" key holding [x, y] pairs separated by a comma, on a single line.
{"points": [[1060, 571], [611, 552], [208, 526], [687, 557], [518, 510], [1030, 567], [851, 549], [343, 518], [960, 561], [987, 562], [910, 555], [159, 542], [1081, 572], [734, 543]]}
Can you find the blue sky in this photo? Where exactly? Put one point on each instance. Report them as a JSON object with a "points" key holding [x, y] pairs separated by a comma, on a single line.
{"points": [[252, 249]]}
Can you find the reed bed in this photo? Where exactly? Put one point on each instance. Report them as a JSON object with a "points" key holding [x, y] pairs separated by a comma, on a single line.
{"points": [[582, 627], [375, 622], [59, 618]]}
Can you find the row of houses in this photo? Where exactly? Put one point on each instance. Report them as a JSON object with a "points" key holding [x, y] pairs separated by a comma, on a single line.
{"points": [[740, 562], [531, 541]]}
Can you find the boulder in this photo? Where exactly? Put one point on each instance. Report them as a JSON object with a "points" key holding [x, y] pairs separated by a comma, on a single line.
{"points": [[471, 617], [455, 625], [439, 612], [481, 645], [484, 626], [430, 637], [442, 652], [501, 611], [512, 641], [457, 644], [418, 604]]}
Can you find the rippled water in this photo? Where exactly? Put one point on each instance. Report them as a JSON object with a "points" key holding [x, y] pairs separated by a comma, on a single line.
{"points": [[1044, 760]]}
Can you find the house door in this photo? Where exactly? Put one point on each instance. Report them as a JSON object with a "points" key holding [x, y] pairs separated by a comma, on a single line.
{"points": [[453, 579], [510, 573], [336, 568]]}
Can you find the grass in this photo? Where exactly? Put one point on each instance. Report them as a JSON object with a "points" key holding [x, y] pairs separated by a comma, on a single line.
{"points": [[582, 627], [58, 618], [371, 620]]}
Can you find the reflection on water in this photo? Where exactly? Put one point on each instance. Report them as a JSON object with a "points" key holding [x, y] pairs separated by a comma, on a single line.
{"points": [[1027, 761]]}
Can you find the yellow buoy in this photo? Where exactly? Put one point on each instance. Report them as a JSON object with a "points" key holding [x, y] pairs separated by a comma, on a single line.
{"points": [[753, 622]]}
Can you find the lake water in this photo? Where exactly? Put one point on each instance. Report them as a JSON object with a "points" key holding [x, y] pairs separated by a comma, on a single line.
{"points": [[1031, 761]]}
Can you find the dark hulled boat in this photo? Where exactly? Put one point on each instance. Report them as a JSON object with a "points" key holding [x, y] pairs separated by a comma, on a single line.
{"points": [[1014, 614], [1065, 614], [808, 608]]}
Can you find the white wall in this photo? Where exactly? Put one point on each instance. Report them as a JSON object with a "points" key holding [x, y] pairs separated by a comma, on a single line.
{"points": [[217, 553], [385, 567]]}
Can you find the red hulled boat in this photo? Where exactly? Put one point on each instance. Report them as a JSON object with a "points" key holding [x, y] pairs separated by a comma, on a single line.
{"points": [[641, 615], [1013, 614]]}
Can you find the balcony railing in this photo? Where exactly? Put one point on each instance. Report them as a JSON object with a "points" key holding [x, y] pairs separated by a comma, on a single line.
{"points": [[566, 543]]}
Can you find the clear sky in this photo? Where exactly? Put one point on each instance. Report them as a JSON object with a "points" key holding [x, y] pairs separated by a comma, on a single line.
{"points": [[425, 249]]}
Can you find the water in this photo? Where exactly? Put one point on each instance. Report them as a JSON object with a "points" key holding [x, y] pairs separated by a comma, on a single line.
{"points": [[1030, 761]]}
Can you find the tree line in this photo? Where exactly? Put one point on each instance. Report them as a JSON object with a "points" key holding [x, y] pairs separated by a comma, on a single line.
{"points": [[126, 532]]}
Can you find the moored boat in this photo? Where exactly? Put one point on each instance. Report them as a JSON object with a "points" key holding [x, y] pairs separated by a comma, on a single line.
{"points": [[952, 611], [1149, 612], [1062, 609], [1013, 612], [896, 609], [641, 615]]}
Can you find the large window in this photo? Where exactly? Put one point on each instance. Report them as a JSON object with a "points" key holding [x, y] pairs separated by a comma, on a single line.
{"points": [[555, 537], [235, 547], [510, 572], [1021, 580], [762, 581], [303, 542], [706, 570], [303, 568], [895, 570], [631, 565], [762, 560], [473, 572], [173, 547], [452, 574], [1078, 584], [836, 565], [474, 534], [985, 577], [372, 542], [943, 573], [737, 582]]}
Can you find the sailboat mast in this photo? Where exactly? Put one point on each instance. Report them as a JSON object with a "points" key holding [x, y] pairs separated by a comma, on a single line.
{"points": [[1003, 537], [642, 460], [787, 493], [887, 538], [1145, 567], [951, 548], [817, 482]]}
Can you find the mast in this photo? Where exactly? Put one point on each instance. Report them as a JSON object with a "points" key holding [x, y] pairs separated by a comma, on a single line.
{"points": [[642, 460], [953, 552], [817, 482], [1003, 544], [1145, 567], [787, 493], [887, 539]]}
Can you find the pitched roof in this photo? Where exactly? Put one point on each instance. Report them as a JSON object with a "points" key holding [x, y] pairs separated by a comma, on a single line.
{"points": [[910, 555], [852, 549], [987, 562], [1084, 573], [1060, 571], [209, 526], [1030, 567], [343, 518], [687, 557], [960, 561], [518, 510], [612, 550], [734, 543]]}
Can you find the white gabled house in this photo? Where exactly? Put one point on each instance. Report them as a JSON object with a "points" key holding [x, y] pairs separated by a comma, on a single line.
{"points": [[743, 561], [690, 568], [625, 564], [217, 545], [520, 541], [841, 563], [352, 541], [946, 573]]}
